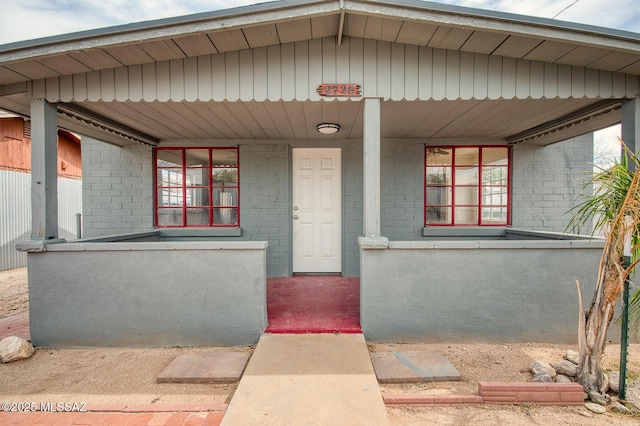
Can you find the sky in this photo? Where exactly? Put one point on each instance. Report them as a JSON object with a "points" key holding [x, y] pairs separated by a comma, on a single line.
{"points": [[30, 19]]}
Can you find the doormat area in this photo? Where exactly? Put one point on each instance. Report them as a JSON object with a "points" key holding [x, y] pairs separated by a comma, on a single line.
{"points": [[413, 367], [313, 304], [205, 367]]}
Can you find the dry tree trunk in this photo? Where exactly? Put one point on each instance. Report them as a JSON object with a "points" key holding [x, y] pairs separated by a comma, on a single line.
{"points": [[593, 328]]}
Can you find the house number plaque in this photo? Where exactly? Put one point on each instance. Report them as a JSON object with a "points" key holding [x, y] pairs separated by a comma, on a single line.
{"points": [[339, 90]]}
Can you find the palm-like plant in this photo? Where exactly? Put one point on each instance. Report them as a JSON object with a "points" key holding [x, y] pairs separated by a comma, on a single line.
{"points": [[614, 208]]}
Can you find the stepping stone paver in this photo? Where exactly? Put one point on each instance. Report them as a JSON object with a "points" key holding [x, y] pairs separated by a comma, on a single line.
{"points": [[205, 367], [413, 367]]}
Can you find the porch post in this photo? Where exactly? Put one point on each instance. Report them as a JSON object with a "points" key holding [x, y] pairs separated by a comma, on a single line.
{"points": [[631, 123], [371, 167], [44, 170]]}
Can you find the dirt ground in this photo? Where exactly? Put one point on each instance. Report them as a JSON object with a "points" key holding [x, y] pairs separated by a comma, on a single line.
{"points": [[128, 376], [14, 295]]}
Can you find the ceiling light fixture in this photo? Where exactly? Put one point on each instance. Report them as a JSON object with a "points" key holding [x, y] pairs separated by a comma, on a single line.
{"points": [[328, 128]]}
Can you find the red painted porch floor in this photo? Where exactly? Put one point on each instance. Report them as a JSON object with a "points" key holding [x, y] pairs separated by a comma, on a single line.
{"points": [[313, 304]]}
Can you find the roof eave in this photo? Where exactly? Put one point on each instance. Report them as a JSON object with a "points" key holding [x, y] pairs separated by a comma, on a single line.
{"points": [[245, 16], [278, 11], [523, 25]]}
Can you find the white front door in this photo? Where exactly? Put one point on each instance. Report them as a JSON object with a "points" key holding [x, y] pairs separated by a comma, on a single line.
{"points": [[317, 210]]}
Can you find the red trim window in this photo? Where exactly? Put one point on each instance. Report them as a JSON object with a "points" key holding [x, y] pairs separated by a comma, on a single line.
{"points": [[467, 186], [197, 187]]}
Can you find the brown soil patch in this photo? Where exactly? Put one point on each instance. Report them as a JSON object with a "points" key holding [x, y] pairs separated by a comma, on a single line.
{"points": [[14, 295]]}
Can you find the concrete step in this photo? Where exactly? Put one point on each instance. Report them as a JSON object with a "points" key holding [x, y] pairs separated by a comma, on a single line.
{"points": [[310, 379]]}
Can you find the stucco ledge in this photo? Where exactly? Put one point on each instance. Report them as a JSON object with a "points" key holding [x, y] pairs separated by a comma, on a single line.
{"points": [[373, 243], [38, 246], [161, 246]]}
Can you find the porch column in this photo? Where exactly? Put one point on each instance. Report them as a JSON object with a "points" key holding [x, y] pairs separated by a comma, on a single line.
{"points": [[44, 170], [371, 167], [631, 124]]}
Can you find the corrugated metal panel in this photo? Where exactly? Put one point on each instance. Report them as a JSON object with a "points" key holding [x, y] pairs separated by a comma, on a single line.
{"points": [[15, 214], [15, 217], [69, 205]]}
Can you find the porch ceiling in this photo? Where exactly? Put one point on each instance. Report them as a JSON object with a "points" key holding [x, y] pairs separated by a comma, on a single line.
{"points": [[297, 120], [247, 121]]}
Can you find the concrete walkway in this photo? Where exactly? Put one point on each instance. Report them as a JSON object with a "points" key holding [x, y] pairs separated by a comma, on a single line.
{"points": [[308, 379]]}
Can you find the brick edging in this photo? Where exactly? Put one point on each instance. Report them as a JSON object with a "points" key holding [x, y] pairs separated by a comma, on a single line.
{"points": [[153, 408], [531, 392], [498, 393], [431, 400]]}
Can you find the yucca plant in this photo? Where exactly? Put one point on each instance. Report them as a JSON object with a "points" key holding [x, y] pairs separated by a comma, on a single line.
{"points": [[614, 209]]}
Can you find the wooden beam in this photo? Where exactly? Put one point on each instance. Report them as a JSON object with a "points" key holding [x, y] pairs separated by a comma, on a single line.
{"points": [[44, 170], [371, 167]]}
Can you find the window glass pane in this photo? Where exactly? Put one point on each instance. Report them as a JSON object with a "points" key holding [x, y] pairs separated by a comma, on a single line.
{"points": [[169, 177], [439, 157], [197, 217], [494, 215], [494, 175], [197, 197], [438, 175], [170, 217], [225, 216], [197, 177], [467, 156], [494, 195], [438, 215], [224, 157], [225, 197], [466, 176], [169, 197], [197, 157], [169, 157], [466, 215], [466, 195], [495, 156], [225, 177], [438, 195]]}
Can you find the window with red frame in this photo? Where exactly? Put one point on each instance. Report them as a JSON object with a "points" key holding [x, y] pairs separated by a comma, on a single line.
{"points": [[196, 187], [467, 186]]}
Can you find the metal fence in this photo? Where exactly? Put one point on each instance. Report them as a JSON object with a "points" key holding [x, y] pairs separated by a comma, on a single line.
{"points": [[15, 214]]}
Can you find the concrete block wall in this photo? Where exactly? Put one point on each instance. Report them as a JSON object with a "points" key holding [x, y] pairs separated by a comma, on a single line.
{"points": [[118, 192], [352, 205], [265, 200], [547, 180], [402, 190], [117, 188]]}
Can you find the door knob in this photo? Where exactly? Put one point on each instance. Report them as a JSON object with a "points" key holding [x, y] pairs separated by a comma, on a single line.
{"points": [[295, 217], [295, 208]]}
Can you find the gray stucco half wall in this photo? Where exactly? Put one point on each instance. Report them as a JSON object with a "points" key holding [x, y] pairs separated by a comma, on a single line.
{"points": [[148, 294], [492, 291]]}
